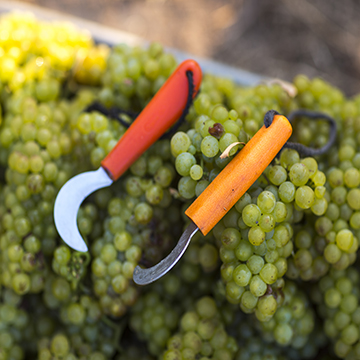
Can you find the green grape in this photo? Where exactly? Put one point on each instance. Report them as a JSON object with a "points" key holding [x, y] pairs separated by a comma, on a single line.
{"points": [[200, 186], [180, 143], [255, 263], [353, 199], [281, 236], [242, 275], [319, 206], [336, 178], [257, 286], [287, 192], [283, 334], [332, 253], [243, 250], [267, 222], [256, 236], [186, 187], [219, 114], [344, 239], [352, 178], [289, 157], [60, 345], [311, 165], [251, 215], [143, 213], [277, 175], [266, 202], [184, 162], [209, 146], [299, 174], [280, 212], [242, 202], [196, 172], [269, 273], [304, 197], [230, 238], [226, 140]]}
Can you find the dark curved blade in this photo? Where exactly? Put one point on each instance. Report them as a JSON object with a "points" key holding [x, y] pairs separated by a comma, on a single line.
{"points": [[147, 276]]}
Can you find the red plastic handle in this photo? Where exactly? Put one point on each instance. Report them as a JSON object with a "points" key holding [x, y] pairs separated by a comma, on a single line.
{"points": [[161, 112]]}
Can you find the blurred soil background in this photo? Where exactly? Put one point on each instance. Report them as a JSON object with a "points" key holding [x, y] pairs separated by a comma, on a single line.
{"points": [[276, 38]]}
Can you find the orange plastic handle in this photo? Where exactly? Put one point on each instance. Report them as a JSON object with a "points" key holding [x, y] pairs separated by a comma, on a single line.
{"points": [[237, 177], [161, 112]]}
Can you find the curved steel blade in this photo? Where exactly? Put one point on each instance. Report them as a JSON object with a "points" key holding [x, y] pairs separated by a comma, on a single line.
{"points": [[147, 276], [68, 201]]}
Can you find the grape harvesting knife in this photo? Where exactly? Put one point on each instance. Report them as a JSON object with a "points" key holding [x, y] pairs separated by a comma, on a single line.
{"points": [[224, 191], [159, 115]]}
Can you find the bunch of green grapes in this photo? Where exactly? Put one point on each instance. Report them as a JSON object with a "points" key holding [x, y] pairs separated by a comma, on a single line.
{"points": [[338, 225], [156, 314], [255, 344], [191, 279], [253, 348], [252, 270], [36, 148], [252, 344], [92, 342], [90, 65], [313, 348], [336, 232], [342, 222], [308, 262], [96, 135], [337, 297], [13, 322], [196, 152], [300, 182], [256, 235], [305, 189], [203, 251], [34, 57], [251, 103], [154, 319], [133, 75], [317, 94], [300, 220], [75, 327], [138, 228], [70, 265], [294, 321], [201, 335]]}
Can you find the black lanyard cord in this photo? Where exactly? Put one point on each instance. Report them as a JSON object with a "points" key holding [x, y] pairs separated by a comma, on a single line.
{"points": [[115, 112], [300, 148]]}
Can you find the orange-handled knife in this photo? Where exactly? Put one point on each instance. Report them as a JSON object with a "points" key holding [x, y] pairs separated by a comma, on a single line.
{"points": [[224, 191], [160, 114]]}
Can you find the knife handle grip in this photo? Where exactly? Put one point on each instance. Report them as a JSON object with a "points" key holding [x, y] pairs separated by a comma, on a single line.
{"points": [[160, 114], [237, 177]]}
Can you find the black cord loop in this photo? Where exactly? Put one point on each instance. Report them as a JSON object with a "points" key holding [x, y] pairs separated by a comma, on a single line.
{"points": [[269, 117], [115, 112], [300, 148], [189, 102]]}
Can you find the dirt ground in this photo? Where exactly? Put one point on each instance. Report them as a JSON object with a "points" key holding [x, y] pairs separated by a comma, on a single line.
{"points": [[278, 38]]}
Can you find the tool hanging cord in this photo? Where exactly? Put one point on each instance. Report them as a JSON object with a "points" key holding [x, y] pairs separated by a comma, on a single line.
{"points": [[115, 113], [300, 148], [189, 102]]}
